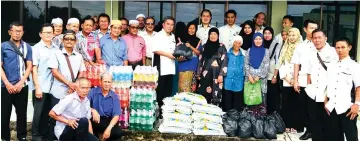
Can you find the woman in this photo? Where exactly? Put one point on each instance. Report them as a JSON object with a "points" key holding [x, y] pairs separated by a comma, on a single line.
{"points": [[268, 36], [212, 68], [234, 80], [256, 69], [247, 32], [290, 112], [187, 68]]}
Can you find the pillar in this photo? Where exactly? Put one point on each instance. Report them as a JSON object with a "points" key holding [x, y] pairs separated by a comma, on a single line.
{"points": [[278, 10]]}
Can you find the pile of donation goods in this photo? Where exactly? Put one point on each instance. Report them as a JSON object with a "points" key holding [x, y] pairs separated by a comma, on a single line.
{"points": [[245, 124], [189, 113]]}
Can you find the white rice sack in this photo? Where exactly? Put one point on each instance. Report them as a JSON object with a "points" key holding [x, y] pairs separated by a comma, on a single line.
{"points": [[176, 102], [177, 123], [174, 109], [206, 118], [208, 132], [191, 97], [208, 125], [177, 116], [208, 108], [164, 129]]}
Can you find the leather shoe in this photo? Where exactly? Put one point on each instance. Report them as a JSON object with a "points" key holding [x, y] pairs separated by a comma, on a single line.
{"points": [[306, 136]]}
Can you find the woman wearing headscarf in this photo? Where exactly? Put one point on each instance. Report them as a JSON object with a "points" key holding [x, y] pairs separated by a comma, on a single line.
{"points": [[234, 80], [247, 32], [256, 69], [291, 114], [212, 67], [268, 33], [187, 68]]}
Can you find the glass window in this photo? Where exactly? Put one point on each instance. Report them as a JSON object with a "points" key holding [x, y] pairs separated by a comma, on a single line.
{"points": [[247, 11], [33, 19], [217, 11], [8, 17], [154, 10], [134, 8], [347, 26], [187, 12], [57, 9], [80, 9], [302, 13], [166, 11]]}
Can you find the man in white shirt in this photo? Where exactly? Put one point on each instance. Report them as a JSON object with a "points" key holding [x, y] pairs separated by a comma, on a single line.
{"points": [[340, 104], [320, 56], [148, 36], [141, 19], [300, 58], [228, 31], [205, 26], [259, 21]]}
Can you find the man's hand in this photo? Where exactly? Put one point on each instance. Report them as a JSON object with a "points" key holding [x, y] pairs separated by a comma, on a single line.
{"points": [[220, 79], [296, 87], [18, 86], [172, 57], [99, 61], [107, 133], [95, 115], [181, 58], [11, 88], [273, 80], [327, 111], [353, 111], [73, 124], [72, 85], [188, 44], [208, 89], [38, 93], [70, 91]]}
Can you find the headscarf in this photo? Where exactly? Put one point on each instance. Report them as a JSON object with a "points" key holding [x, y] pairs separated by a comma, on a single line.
{"points": [[236, 38], [256, 54], [247, 38], [210, 48], [180, 31], [288, 48], [192, 39], [267, 43]]}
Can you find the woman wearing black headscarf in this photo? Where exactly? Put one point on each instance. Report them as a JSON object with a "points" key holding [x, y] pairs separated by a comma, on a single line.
{"points": [[247, 32], [268, 33], [187, 68], [212, 67]]}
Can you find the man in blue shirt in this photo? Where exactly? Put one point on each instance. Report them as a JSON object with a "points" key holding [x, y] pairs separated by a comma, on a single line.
{"points": [[113, 48], [106, 110], [16, 65]]}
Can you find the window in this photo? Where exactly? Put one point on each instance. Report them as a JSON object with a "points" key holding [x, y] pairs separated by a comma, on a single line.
{"points": [[81, 9], [302, 13], [57, 9], [247, 11], [166, 11], [134, 8], [187, 12], [217, 11], [8, 17], [154, 10], [34, 17]]}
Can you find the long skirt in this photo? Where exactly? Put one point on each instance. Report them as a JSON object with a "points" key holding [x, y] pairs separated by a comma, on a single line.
{"points": [[187, 81]]}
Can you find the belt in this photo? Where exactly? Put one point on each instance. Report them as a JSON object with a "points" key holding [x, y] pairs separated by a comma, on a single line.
{"points": [[148, 58], [134, 62]]}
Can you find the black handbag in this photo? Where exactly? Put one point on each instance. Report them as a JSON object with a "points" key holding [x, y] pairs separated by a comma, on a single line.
{"points": [[183, 50]]}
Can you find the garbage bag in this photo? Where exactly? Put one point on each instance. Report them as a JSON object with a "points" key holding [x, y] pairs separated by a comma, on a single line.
{"points": [[279, 123], [230, 126], [233, 114], [244, 125], [183, 50], [258, 127], [269, 127]]}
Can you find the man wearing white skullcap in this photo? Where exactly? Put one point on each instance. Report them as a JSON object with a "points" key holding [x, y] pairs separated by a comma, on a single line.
{"points": [[58, 29], [141, 19], [234, 80], [135, 44], [73, 24]]}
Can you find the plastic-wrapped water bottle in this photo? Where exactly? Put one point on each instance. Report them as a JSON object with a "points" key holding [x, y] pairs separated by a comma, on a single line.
{"points": [[132, 98], [132, 119]]}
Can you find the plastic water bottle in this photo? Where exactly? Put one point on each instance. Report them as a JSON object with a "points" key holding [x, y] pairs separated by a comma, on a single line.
{"points": [[126, 119], [132, 119], [132, 98]]}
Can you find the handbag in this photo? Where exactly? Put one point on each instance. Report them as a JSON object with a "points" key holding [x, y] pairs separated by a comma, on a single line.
{"points": [[183, 50], [252, 93]]}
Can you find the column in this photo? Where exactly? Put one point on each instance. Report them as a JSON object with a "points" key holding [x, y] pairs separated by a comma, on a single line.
{"points": [[358, 31], [278, 10], [113, 10]]}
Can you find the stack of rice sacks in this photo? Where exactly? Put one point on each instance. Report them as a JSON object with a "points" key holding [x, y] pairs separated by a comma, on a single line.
{"points": [[207, 120]]}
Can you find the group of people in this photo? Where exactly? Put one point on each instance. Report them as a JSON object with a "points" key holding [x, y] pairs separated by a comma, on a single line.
{"points": [[294, 74]]}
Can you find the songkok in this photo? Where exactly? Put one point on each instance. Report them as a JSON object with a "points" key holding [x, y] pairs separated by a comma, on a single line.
{"points": [[237, 38], [115, 22], [133, 22], [57, 21], [73, 21], [140, 16]]}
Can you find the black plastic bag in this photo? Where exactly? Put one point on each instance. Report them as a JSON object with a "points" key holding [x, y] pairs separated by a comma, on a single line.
{"points": [[258, 127], [230, 122], [183, 50], [279, 123], [269, 127], [244, 125]]}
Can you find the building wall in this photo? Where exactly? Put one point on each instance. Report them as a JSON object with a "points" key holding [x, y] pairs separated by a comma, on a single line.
{"points": [[278, 10], [358, 36]]}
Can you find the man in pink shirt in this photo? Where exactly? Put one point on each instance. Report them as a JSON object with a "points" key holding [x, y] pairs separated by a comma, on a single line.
{"points": [[135, 44]]}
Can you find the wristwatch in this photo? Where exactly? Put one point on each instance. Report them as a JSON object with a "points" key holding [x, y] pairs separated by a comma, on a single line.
{"points": [[357, 103], [274, 76]]}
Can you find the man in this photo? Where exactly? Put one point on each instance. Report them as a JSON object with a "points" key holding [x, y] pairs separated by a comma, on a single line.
{"points": [[341, 107], [320, 56], [163, 48], [60, 64], [16, 65], [205, 26], [103, 22], [42, 79], [73, 24], [105, 109], [113, 48], [96, 25], [124, 26], [259, 21], [58, 28], [148, 35], [300, 58], [72, 115], [88, 43], [136, 48], [141, 19], [228, 31]]}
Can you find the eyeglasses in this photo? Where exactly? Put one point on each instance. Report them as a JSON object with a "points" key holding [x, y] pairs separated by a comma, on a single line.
{"points": [[134, 27], [149, 23], [69, 39]]}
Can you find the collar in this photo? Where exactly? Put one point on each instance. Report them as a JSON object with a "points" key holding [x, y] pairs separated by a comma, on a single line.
{"points": [[98, 91], [324, 48], [109, 37], [146, 33], [210, 26], [99, 32], [346, 59], [164, 33], [231, 51], [307, 41], [43, 44], [233, 26], [90, 35], [63, 51], [77, 97]]}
